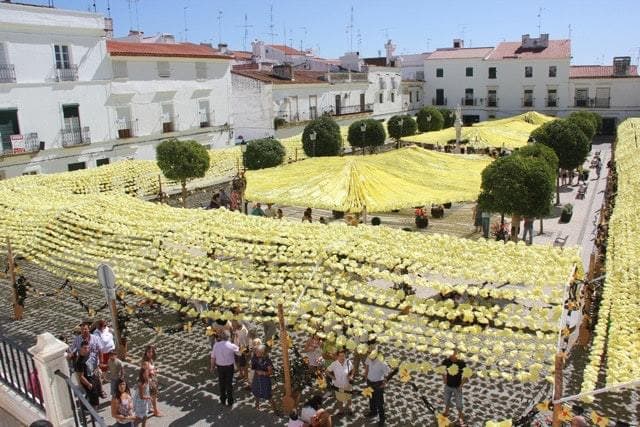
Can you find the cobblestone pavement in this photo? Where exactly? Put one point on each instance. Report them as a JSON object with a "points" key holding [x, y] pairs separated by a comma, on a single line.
{"points": [[188, 393]]}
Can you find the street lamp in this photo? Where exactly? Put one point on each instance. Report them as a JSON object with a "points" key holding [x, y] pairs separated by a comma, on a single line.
{"points": [[400, 123], [363, 129], [313, 136]]}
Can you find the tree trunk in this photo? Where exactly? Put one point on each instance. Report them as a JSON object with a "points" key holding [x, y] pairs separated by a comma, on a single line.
{"points": [[558, 189], [541, 232], [184, 193], [515, 227]]}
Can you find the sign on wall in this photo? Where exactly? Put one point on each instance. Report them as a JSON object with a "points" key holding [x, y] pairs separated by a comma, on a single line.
{"points": [[17, 143]]}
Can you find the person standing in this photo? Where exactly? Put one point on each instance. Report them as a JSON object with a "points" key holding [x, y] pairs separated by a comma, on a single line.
{"points": [[93, 341], [85, 368], [262, 371], [313, 350], [142, 398], [375, 372], [222, 358], [453, 382], [307, 215], [528, 230], [148, 363], [122, 405], [341, 371], [477, 218], [116, 371], [242, 341], [107, 344], [598, 167]]}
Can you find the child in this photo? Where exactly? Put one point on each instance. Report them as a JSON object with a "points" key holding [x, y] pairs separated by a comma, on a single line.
{"points": [[116, 371], [294, 421]]}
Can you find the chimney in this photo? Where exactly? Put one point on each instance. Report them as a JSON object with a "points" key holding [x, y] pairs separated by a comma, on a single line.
{"points": [[458, 43], [283, 71], [108, 28], [621, 65], [223, 48], [135, 35], [390, 48], [258, 50], [529, 42]]}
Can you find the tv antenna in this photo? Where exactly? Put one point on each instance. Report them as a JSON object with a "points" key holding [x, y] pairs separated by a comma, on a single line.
{"points": [[246, 27], [428, 43], [569, 32], [359, 40], [109, 8], [350, 30], [303, 40], [186, 27], [272, 27], [540, 9], [386, 32], [133, 12], [219, 18]]}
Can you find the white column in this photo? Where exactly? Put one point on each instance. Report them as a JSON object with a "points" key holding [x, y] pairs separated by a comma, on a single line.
{"points": [[49, 357]]}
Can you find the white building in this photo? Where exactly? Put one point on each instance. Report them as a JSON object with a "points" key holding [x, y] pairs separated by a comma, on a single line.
{"points": [[54, 81], [72, 99], [612, 91]]}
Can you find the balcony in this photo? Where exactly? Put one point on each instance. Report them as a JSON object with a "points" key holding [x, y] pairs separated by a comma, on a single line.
{"points": [[204, 119], [583, 102], [7, 73], [69, 74], [126, 128], [528, 102], [551, 102], [351, 109], [602, 102], [468, 101], [438, 101], [75, 136], [169, 122], [21, 144]]}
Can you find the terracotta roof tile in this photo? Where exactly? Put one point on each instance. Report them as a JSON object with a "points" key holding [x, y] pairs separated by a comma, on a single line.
{"points": [[557, 49], [460, 53], [286, 49], [177, 50], [299, 77], [598, 71]]}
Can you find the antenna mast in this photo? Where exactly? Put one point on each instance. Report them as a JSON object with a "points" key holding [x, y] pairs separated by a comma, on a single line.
{"points": [[350, 30], [219, 18], [186, 27], [304, 39], [540, 9], [246, 27], [272, 27], [109, 8]]}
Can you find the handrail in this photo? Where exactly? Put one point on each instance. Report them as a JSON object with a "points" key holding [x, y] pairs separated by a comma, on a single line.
{"points": [[18, 371], [86, 406]]}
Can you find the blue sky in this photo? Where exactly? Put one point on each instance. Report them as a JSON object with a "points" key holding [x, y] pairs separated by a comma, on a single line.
{"points": [[600, 29]]}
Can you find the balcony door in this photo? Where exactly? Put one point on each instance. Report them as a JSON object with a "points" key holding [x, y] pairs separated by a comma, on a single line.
{"points": [[440, 97], [338, 105], [168, 124], [313, 107], [8, 126], [293, 109], [71, 117], [362, 103], [203, 113], [602, 97], [124, 122]]}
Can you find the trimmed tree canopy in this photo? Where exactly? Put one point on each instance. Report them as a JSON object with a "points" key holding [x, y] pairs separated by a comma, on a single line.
{"points": [[566, 139], [182, 160], [328, 139], [594, 118], [429, 118], [517, 185], [448, 116], [374, 134], [585, 123], [263, 153], [396, 131], [540, 151]]}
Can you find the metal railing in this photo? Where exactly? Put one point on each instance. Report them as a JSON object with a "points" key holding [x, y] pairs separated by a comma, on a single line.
{"points": [[31, 145], [126, 128], [75, 136], [352, 109], [602, 102], [551, 102], [69, 74], [492, 102], [205, 119], [83, 413], [528, 102], [7, 73], [169, 123], [436, 101], [469, 102], [583, 102], [19, 373]]}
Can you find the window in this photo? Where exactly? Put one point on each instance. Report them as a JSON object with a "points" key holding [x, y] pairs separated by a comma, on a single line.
{"points": [[163, 69], [410, 96], [527, 100], [76, 166], [492, 99], [440, 99], [102, 162], [8, 126], [552, 70], [492, 72], [552, 98], [439, 72], [313, 106], [417, 96], [582, 97], [603, 96], [469, 72], [528, 71], [420, 75], [380, 97], [393, 97], [468, 97], [204, 116], [63, 60], [201, 70], [119, 69]]}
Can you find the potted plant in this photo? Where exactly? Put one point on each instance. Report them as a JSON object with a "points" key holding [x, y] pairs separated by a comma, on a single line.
{"points": [[421, 218], [567, 212], [447, 205], [375, 220], [437, 211], [337, 214]]}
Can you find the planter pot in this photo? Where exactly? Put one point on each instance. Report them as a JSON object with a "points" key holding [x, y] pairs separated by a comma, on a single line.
{"points": [[437, 212], [337, 214], [566, 216], [375, 220], [447, 205], [422, 221]]}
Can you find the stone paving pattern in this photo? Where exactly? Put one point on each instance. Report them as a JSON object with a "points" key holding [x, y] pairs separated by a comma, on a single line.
{"points": [[188, 393]]}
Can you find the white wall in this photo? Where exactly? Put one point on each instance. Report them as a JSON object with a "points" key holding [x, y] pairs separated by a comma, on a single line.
{"points": [[252, 108], [624, 93], [412, 96], [391, 98]]}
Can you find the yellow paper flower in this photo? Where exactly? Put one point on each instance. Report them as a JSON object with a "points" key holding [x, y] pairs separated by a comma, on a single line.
{"points": [[442, 420], [505, 423], [599, 420], [367, 392], [453, 369]]}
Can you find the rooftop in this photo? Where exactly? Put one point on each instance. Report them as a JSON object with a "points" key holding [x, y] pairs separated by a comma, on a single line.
{"points": [[460, 53], [176, 50], [557, 49], [299, 77], [599, 71], [287, 50]]}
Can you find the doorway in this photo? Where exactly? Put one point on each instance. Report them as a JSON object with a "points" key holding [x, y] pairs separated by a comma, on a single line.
{"points": [[338, 105], [8, 126]]}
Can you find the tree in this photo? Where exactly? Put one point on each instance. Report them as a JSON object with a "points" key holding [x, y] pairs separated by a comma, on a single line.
{"points": [[263, 153], [429, 119], [585, 123], [181, 161], [328, 140], [374, 134], [517, 185], [396, 131], [448, 116], [594, 118], [568, 142]]}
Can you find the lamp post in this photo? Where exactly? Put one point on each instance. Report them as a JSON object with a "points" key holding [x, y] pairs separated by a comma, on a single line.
{"points": [[243, 202], [313, 136], [400, 123], [108, 281], [363, 129]]}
